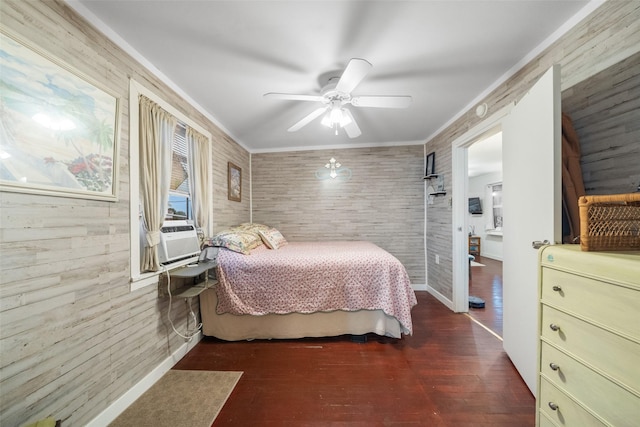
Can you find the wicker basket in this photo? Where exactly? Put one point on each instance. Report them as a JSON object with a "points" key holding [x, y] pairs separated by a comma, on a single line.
{"points": [[610, 223]]}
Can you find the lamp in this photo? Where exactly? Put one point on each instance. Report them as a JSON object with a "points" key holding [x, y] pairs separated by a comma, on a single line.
{"points": [[332, 166], [335, 170], [336, 116]]}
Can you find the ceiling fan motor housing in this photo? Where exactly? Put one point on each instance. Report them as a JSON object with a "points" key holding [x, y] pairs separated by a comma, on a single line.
{"points": [[330, 93]]}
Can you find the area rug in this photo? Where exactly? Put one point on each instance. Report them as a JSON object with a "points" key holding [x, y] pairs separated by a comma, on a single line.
{"points": [[476, 264], [181, 398]]}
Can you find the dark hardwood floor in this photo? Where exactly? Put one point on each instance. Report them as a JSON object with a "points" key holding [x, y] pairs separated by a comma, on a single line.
{"points": [[450, 372], [486, 283]]}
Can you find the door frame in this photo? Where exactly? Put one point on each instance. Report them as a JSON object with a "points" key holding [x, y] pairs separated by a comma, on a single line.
{"points": [[459, 203]]}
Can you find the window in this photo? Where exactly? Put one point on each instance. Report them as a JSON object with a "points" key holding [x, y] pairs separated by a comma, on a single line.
{"points": [[494, 197], [181, 197], [179, 206]]}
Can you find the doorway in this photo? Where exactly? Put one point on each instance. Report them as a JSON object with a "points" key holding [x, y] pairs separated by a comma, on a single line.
{"points": [[491, 125], [484, 174]]}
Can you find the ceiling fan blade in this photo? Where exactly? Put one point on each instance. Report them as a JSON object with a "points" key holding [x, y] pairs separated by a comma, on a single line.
{"points": [[307, 119], [293, 96], [381, 101], [356, 70], [352, 129]]}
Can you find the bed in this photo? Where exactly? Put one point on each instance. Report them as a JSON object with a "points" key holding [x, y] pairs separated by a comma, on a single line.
{"points": [[307, 289]]}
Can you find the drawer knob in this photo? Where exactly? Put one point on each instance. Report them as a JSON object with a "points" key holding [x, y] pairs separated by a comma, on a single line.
{"points": [[553, 366], [553, 406], [554, 327], [556, 288]]}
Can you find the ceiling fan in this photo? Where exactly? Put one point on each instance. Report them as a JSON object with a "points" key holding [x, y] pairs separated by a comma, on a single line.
{"points": [[336, 94]]}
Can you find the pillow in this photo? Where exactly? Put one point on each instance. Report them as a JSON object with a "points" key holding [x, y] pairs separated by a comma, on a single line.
{"points": [[237, 241], [251, 227], [272, 238]]}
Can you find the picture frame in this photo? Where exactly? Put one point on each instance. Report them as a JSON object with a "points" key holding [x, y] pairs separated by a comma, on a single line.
{"points": [[234, 182], [61, 128], [431, 164]]}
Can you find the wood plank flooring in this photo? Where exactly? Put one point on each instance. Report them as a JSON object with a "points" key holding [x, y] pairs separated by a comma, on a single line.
{"points": [[486, 283], [450, 372]]}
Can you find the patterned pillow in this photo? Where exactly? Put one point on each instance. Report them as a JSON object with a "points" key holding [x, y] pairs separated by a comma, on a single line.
{"points": [[251, 226], [272, 238], [236, 240]]}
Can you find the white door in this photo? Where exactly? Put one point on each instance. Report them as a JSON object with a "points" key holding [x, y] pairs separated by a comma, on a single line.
{"points": [[531, 153]]}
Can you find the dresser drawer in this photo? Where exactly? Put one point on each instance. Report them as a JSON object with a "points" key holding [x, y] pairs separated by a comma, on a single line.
{"points": [[567, 413], [611, 402], [543, 421], [607, 352], [614, 306]]}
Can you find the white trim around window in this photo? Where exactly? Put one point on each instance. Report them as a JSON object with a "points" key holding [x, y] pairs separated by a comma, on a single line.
{"points": [[138, 279]]}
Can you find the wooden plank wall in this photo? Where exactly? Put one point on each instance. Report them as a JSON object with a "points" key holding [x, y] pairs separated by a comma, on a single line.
{"points": [[605, 110], [73, 338], [608, 35], [382, 202]]}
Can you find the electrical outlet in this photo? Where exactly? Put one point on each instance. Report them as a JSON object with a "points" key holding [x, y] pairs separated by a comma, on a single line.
{"points": [[437, 259]]}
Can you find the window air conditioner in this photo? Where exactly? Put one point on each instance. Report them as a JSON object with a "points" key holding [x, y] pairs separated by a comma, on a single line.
{"points": [[178, 241]]}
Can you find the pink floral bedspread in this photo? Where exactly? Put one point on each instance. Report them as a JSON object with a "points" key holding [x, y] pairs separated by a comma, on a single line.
{"points": [[307, 277]]}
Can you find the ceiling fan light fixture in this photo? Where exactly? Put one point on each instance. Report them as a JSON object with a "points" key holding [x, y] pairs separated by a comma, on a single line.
{"points": [[326, 120], [345, 120], [336, 117], [336, 93]]}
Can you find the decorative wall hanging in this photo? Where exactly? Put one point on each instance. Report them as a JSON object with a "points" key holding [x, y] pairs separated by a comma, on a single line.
{"points": [[234, 182], [58, 129], [431, 164]]}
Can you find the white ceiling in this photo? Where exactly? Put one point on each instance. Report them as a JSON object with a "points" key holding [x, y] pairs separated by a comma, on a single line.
{"points": [[224, 55]]}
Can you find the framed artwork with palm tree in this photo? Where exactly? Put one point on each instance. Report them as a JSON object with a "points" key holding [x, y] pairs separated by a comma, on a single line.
{"points": [[58, 128]]}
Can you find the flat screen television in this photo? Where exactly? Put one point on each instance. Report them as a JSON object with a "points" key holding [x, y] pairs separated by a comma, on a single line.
{"points": [[475, 207]]}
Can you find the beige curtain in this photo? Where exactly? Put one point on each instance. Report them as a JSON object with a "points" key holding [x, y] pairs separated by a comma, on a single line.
{"points": [[157, 128], [199, 158]]}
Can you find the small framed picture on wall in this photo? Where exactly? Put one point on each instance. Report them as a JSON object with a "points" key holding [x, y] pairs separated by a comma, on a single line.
{"points": [[234, 182], [431, 164]]}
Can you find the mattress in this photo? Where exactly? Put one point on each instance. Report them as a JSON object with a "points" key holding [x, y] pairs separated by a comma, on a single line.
{"points": [[302, 278]]}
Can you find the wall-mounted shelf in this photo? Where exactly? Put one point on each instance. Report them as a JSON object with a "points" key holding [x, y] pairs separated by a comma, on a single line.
{"points": [[192, 272], [439, 178]]}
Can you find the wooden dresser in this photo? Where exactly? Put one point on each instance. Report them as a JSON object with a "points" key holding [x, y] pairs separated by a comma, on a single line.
{"points": [[589, 329]]}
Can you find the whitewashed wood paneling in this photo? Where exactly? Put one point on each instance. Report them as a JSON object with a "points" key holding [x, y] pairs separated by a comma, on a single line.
{"points": [[73, 338], [608, 35], [76, 339], [382, 202], [605, 110]]}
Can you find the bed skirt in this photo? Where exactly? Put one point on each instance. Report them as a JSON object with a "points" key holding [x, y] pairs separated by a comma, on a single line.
{"points": [[231, 327]]}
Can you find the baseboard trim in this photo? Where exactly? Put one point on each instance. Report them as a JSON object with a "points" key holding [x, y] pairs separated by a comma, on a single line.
{"points": [[444, 300], [419, 286], [123, 402], [492, 256]]}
